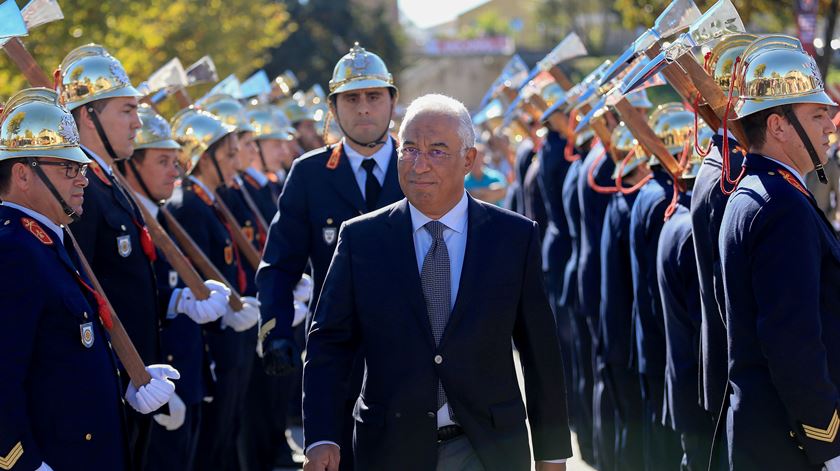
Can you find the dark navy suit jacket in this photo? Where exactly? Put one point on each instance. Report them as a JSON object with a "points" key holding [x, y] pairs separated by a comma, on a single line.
{"points": [[372, 301]]}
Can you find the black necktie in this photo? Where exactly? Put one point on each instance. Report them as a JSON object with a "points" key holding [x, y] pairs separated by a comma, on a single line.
{"points": [[372, 186]]}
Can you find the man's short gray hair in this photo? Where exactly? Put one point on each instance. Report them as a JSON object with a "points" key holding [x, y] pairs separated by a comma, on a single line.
{"points": [[442, 104]]}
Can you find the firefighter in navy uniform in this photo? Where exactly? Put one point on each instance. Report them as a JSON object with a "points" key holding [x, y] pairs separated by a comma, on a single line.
{"points": [[325, 188], [209, 149], [57, 345], [113, 237], [781, 271], [153, 170]]}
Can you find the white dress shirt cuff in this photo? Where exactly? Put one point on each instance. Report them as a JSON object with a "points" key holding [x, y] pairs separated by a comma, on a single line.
{"points": [[171, 313], [322, 442], [554, 461], [833, 464]]}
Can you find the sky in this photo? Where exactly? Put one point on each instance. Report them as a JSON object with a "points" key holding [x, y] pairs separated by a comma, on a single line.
{"points": [[425, 13]]}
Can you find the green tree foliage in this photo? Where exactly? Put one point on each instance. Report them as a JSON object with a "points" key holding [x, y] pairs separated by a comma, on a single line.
{"points": [[325, 30], [489, 23], [144, 35]]}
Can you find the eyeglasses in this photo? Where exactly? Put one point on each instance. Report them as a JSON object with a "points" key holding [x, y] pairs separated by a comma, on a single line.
{"points": [[71, 169], [411, 154]]}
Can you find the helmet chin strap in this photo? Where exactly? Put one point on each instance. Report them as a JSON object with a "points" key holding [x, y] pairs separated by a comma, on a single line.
{"points": [[64, 206], [376, 142], [140, 181], [100, 131], [806, 141]]}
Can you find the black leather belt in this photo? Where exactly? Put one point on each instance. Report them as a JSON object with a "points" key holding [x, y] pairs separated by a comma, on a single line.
{"points": [[448, 432]]}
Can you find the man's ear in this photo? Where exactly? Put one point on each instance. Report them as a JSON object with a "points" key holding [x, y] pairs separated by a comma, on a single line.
{"points": [[22, 176], [778, 128], [469, 159]]}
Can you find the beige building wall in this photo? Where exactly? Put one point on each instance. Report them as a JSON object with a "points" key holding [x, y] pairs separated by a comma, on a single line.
{"points": [[521, 13]]}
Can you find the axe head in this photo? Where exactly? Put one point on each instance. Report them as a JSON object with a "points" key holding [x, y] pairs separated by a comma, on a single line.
{"points": [[41, 12], [228, 86], [203, 71], [12, 23], [255, 86], [169, 77]]}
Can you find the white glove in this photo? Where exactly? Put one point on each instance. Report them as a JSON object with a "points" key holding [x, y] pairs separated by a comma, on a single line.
{"points": [[177, 414], [152, 396], [207, 310], [303, 289], [301, 310], [244, 319], [833, 464], [44, 467]]}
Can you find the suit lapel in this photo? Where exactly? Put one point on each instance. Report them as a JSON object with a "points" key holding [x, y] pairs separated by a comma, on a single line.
{"points": [[402, 246], [476, 241], [344, 182]]}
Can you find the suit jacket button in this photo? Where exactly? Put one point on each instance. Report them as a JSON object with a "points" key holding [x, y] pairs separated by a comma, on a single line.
{"points": [[88, 437], [792, 435], [438, 359], [397, 415], [431, 415], [169, 358]]}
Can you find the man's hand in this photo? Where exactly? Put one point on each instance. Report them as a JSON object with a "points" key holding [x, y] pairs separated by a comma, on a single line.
{"points": [[242, 320], [544, 466], [281, 357], [322, 458], [152, 396], [177, 414]]}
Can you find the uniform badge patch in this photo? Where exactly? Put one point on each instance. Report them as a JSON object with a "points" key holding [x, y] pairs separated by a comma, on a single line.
{"points": [[173, 278], [329, 235], [124, 245], [229, 255], [32, 226], [86, 331], [248, 231]]}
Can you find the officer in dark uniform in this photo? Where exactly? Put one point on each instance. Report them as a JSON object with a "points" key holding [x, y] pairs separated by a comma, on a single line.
{"points": [[781, 271], [325, 188], [679, 289], [707, 205], [57, 347], [673, 124], [113, 235], [616, 368], [211, 147], [303, 120], [153, 170]]}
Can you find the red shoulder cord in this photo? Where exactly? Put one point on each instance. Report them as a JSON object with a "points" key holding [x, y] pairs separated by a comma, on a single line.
{"points": [[669, 211], [725, 177], [590, 177], [628, 190], [569, 152]]}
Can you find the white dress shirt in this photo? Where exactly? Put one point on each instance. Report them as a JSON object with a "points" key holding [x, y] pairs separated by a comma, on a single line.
{"points": [[98, 159], [258, 176], [382, 157]]}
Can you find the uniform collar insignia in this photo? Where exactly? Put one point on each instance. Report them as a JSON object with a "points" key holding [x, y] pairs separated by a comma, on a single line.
{"points": [[793, 181], [33, 227], [99, 172]]}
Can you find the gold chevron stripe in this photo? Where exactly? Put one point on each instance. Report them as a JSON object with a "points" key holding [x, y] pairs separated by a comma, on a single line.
{"points": [[825, 435], [6, 462]]}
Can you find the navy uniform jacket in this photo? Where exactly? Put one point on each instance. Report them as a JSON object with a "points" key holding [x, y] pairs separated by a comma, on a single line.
{"points": [[315, 201], [680, 291], [571, 208], [593, 205], [262, 196], [373, 301], [534, 205], [616, 305], [552, 173], [646, 219], [234, 200], [61, 401], [196, 215], [110, 240], [781, 274], [707, 205]]}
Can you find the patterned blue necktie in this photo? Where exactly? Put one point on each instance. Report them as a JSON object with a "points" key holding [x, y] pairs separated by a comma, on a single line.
{"points": [[434, 277]]}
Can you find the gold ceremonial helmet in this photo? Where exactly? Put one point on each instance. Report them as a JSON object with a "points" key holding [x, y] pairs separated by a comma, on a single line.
{"points": [[674, 125], [723, 56], [777, 71], [551, 93], [704, 140], [284, 84], [297, 113], [34, 124], [229, 109], [622, 142], [90, 73], [360, 69], [155, 132], [196, 130], [269, 122]]}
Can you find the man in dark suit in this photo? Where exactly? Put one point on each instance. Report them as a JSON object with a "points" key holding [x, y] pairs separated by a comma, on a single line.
{"points": [[432, 296]]}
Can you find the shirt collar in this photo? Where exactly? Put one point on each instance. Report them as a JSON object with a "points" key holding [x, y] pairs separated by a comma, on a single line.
{"points": [[198, 182], [455, 219], [382, 156], [258, 176], [38, 217], [148, 204], [788, 168], [99, 161]]}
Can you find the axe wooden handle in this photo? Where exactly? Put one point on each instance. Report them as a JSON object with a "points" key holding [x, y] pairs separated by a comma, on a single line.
{"points": [[245, 247], [252, 205], [559, 122], [711, 92], [120, 340], [637, 124], [561, 78], [162, 240], [184, 100], [199, 259], [26, 63]]}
